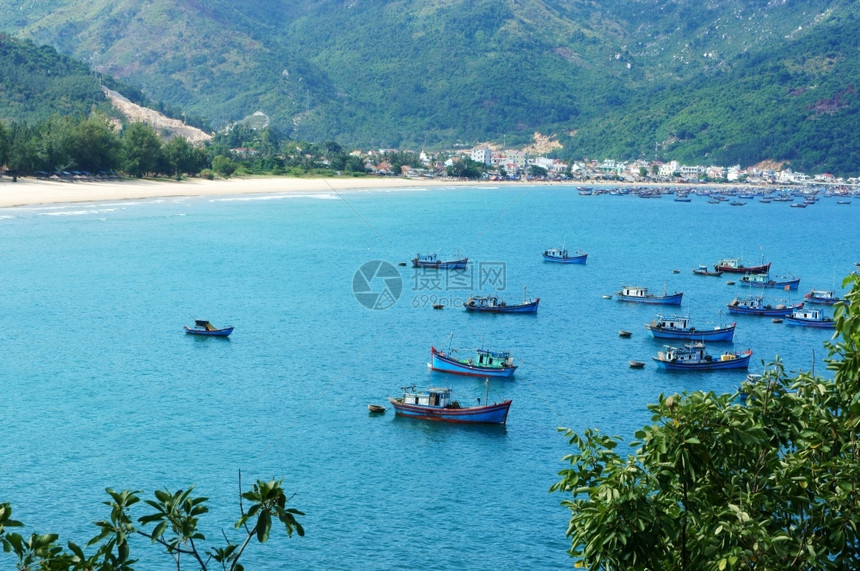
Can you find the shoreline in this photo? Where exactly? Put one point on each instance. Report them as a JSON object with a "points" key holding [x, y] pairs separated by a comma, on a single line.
{"points": [[29, 191], [39, 192]]}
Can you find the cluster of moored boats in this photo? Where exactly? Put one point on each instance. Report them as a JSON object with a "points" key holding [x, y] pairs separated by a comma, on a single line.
{"points": [[436, 403], [693, 354]]}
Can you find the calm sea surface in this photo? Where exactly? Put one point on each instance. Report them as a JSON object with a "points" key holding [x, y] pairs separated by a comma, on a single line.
{"points": [[101, 387]]}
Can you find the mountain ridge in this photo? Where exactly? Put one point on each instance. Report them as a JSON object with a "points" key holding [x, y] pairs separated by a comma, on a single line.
{"points": [[693, 81]]}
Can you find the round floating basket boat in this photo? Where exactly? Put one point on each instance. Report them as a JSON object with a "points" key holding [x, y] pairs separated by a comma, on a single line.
{"points": [[636, 364], [376, 408]]}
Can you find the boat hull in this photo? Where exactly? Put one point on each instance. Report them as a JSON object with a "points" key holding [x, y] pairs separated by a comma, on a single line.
{"points": [[787, 284], [445, 364], [213, 333], [763, 269], [440, 265], [717, 334], [580, 259], [817, 323], [674, 299], [741, 362], [530, 307], [771, 312], [492, 414], [717, 273]]}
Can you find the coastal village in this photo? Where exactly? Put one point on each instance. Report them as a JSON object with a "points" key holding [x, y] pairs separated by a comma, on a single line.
{"points": [[516, 165]]}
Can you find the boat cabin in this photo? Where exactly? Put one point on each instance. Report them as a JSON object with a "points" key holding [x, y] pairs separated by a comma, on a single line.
{"points": [[823, 295], [556, 252], [756, 278], [485, 301], [728, 263], [440, 397], [674, 322], [426, 258], [499, 359], [203, 324], [634, 291], [807, 314]]}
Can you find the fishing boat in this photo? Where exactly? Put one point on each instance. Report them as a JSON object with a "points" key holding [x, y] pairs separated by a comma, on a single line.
{"points": [[436, 404], [642, 295], [206, 329], [694, 357], [433, 261], [810, 318], [766, 280], [755, 305], [734, 266], [822, 296], [493, 304], [486, 363], [562, 256], [678, 327], [843, 202], [703, 270]]}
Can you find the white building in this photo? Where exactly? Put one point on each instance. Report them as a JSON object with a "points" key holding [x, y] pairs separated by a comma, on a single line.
{"points": [[482, 155]]}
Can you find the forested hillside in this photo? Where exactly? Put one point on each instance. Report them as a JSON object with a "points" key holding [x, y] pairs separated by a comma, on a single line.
{"points": [[711, 82]]}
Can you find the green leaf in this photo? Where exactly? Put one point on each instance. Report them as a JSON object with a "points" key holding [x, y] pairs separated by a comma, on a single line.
{"points": [[264, 525]]}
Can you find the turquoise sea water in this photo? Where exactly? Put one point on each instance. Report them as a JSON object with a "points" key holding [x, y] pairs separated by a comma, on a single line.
{"points": [[101, 387]]}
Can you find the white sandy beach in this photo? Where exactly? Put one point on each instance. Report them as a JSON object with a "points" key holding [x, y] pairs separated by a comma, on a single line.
{"points": [[30, 191]]}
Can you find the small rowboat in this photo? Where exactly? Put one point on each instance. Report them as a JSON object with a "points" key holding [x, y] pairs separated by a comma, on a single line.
{"points": [[636, 364], [206, 329], [624, 333], [376, 408]]}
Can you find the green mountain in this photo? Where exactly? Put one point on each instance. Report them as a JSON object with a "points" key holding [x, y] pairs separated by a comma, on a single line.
{"points": [[701, 82]]}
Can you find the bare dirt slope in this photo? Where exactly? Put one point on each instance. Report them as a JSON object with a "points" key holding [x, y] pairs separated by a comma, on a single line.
{"points": [[162, 124]]}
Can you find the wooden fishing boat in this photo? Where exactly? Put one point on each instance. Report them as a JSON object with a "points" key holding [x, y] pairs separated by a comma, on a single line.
{"points": [[694, 357], [768, 281], [678, 327], [433, 261], [562, 256], [755, 305], [204, 328], [703, 270], [493, 304], [437, 404], [642, 295], [734, 266], [486, 363], [822, 296], [810, 318]]}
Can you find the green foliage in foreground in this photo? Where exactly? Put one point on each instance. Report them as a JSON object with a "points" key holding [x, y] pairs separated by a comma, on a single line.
{"points": [[717, 482], [174, 517]]}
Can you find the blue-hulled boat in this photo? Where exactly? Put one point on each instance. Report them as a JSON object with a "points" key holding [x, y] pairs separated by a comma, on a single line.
{"points": [[678, 327], [436, 404], [755, 305], [822, 296], [204, 328], [492, 304], [693, 357], [810, 318], [642, 295], [485, 363], [562, 256], [433, 261], [766, 280]]}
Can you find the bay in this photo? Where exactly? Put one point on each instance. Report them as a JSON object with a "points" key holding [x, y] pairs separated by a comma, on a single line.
{"points": [[101, 388]]}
